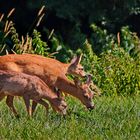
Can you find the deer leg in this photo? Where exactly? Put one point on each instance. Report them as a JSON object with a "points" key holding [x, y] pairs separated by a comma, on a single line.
{"points": [[42, 102], [34, 104], [9, 102], [27, 104]]}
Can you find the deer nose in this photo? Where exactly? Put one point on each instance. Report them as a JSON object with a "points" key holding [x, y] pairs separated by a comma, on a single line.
{"points": [[91, 107]]}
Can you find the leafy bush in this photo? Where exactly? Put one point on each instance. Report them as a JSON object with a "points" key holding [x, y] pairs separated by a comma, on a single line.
{"points": [[101, 40], [121, 75], [29, 44], [10, 40], [115, 70], [130, 41], [40, 47]]}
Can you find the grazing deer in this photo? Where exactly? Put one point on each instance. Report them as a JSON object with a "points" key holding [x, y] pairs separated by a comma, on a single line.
{"points": [[29, 87], [51, 71]]}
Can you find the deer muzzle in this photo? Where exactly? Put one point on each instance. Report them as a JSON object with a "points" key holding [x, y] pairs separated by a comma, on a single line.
{"points": [[91, 107]]}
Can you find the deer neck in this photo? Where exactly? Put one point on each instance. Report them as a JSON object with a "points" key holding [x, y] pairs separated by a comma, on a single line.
{"points": [[48, 93], [68, 87]]}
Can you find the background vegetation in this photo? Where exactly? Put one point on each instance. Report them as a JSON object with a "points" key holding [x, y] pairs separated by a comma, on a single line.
{"points": [[108, 37]]}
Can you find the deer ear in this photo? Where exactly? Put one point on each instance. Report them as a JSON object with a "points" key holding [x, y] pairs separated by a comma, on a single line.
{"points": [[76, 59], [89, 80]]}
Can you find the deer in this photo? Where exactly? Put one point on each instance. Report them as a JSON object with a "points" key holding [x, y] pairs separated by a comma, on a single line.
{"points": [[51, 71], [30, 88]]}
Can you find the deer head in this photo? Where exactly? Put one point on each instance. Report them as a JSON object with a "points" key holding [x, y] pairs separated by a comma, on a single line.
{"points": [[86, 99], [59, 104], [75, 68]]}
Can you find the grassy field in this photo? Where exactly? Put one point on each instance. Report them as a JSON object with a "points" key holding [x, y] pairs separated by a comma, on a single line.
{"points": [[115, 118]]}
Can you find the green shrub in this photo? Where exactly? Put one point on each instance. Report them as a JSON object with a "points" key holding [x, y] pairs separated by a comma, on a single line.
{"points": [[101, 40], [10, 41], [29, 44], [130, 41], [39, 47], [121, 75], [115, 72]]}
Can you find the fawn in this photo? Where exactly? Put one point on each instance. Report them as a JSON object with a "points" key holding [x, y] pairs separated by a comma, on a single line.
{"points": [[29, 87]]}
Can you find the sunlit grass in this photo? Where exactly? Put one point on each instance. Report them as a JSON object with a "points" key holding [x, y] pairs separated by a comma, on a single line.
{"points": [[113, 118]]}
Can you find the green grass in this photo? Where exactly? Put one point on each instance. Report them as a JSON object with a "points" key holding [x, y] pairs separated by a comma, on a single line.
{"points": [[114, 118]]}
